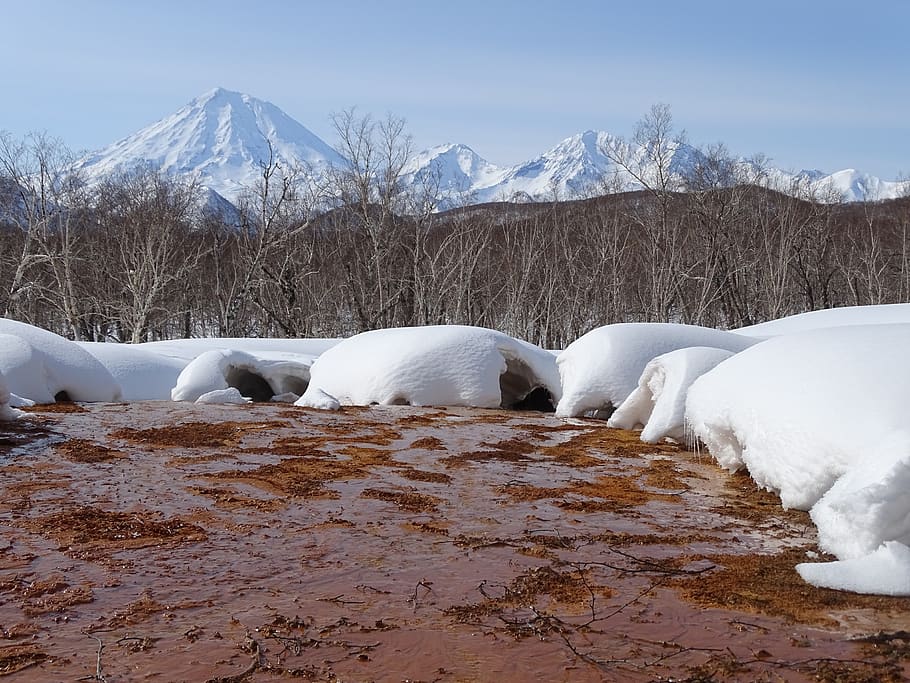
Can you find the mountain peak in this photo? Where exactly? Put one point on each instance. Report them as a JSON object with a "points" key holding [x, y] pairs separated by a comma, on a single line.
{"points": [[220, 138]]}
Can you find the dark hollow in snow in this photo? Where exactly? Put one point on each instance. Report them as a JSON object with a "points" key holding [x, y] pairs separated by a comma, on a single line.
{"points": [[521, 389], [249, 384]]}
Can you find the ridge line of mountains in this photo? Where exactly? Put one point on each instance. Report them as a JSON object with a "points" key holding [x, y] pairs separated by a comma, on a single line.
{"points": [[220, 137]]}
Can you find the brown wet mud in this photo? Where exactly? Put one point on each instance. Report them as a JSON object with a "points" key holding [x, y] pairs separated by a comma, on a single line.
{"points": [[174, 542]]}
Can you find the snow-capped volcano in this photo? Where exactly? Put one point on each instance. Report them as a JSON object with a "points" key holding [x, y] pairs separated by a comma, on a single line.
{"points": [[220, 138]]}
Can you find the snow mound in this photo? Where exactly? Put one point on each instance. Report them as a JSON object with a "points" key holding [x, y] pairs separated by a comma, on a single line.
{"points": [[820, 418], [600, 369], [886, 571], [658, 403], [831, 317], [229, 395], [44, 367], [436, 365], [142, 374], [259, 377]]}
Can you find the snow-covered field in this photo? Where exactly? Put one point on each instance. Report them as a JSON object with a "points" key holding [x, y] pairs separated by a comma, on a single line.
{"points": [[813, 406]]}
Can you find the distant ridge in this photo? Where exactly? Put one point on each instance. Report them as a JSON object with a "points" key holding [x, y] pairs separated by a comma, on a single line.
{"points": [[221, 137]]}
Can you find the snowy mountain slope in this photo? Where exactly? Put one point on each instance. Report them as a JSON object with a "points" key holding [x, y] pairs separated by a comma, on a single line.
{"points": [[573, 168], [857, 186], [455, 172], [219, 138]]}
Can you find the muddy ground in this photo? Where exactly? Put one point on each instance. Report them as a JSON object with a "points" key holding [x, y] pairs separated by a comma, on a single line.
{"points": [[164, 542]]}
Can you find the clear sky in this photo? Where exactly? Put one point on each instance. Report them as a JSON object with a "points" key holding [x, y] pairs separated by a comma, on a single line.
{"points": [[809, 83]]}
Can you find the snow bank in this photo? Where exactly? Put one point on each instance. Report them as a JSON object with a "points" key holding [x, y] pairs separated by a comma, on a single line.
{"points": [[885, 314], [436, 365], [142, 375], [885, 571], [189, 349], [600, 369], [42, 366], [259, 377], [658, 403], [820, 418]]}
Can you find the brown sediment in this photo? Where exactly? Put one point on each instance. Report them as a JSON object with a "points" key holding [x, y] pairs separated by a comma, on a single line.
{"points": [[375, 434], [595, 446], [623, 540], [15, 658], [560, 587], [664, 473], [295, 477], [409, 501], [507, 450], [366, 456], [428, 527], [304, 446], [341, 546], [62, 407], [769, 584], [611, 493], [746, 501], [193, 434], [86, 525], [233, 500], [423, 475], [430, 443], [530, 492], [146, 607], [423, 419], [85, 451], [41, 596]]}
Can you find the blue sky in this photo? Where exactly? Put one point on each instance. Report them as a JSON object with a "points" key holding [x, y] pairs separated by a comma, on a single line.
{"points": [[810, 84]]}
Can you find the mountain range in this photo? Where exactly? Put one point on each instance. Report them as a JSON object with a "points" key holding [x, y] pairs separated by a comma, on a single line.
{"points": [[222, 137]]}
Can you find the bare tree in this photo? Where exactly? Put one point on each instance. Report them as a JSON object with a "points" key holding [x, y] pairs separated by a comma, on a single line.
{"points": [[49, 200], [145, 220], [648, 162], [259, 261], [369, 206]]}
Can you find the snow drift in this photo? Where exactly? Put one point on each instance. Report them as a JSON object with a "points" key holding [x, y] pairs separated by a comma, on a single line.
{"points": [[44, 367], [141, 374], [600, 369], [189, 349], [658, 403], [831, 317], [436, 365], [259, 377], [820, 418]]}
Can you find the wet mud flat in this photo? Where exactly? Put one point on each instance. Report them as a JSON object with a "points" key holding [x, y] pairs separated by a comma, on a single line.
{"points": [[172, 542]]}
